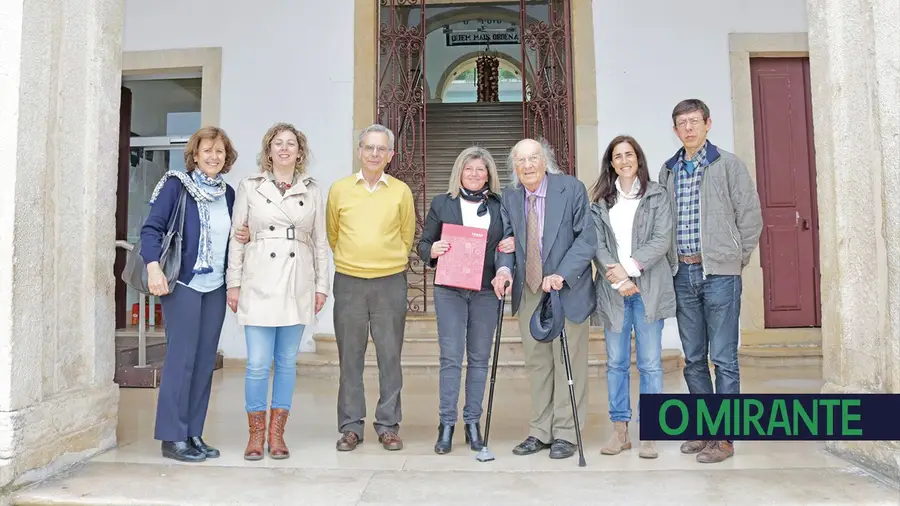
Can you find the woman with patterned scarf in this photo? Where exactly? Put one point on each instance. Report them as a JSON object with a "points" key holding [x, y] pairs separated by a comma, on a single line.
{"points": [[466, 318], [194, 308]]}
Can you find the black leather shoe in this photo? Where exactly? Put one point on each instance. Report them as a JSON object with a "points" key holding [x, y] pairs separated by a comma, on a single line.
{"points": [[529, 446], [473, 436], [562, 449], [209, 451], [182, 450], [444, 440]]}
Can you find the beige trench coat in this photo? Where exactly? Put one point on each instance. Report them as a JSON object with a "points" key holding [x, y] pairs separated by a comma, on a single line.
{"points": [[286, 261]]}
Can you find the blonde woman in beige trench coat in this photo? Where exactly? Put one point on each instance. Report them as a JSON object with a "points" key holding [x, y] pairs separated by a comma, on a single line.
{"points": [[277, 277]]}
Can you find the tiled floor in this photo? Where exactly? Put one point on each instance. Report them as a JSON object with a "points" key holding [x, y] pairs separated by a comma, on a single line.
{"points": [[760, 473]]}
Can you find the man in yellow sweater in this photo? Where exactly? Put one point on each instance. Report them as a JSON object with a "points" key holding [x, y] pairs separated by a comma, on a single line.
{"points": [[371, 223]]}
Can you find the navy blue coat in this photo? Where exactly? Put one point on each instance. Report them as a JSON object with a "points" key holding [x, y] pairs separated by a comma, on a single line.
{"points": [[156, 225]]}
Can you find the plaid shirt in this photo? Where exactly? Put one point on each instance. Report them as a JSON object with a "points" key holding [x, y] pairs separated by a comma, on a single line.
{"points": [[687, 198]]}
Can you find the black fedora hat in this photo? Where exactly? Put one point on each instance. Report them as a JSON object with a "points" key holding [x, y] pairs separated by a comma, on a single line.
{"points": [[548, 319]]}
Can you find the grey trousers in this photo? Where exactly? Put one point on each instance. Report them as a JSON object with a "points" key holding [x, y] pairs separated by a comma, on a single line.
{"points": [[466, 322], [551, 409], [362, 306]]}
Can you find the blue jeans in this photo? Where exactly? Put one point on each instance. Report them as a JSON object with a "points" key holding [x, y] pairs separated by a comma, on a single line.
{"points": [[466, 322], [708, 313], [648, 341], [263, 345]]}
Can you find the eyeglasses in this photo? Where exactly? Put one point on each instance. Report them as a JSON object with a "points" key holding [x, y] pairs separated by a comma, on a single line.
{"points": [[533, 159], [370, 149], [685, 122]]}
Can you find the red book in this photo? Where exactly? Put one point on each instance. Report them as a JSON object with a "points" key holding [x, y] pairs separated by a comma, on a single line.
{"points": [[462, 265]]}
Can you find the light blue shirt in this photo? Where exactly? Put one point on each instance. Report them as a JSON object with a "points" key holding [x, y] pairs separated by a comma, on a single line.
{"points": [[219, 229]]}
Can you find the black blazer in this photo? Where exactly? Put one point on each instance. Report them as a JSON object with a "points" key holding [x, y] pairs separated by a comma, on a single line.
{"points": [[446, 209]]}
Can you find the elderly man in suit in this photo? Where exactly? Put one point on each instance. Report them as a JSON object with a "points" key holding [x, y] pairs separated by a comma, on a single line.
{"points": [[548, 215]]}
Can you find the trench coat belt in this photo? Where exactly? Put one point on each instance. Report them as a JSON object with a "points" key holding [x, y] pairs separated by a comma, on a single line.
{"points": [[288, 233]]}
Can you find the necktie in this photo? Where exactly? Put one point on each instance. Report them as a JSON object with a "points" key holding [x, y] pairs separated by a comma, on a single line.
{"points": [[533, 269]]}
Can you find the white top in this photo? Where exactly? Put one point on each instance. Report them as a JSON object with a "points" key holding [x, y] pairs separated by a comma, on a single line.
{"points": [[621, 217], [219, 230], [470, 215]]}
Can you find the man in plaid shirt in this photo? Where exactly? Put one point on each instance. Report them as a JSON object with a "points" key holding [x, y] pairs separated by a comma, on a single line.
{"points": [[717, 223]]}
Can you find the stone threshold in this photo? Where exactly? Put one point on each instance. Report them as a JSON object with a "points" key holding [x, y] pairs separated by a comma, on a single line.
{"points": [[115, 484]]}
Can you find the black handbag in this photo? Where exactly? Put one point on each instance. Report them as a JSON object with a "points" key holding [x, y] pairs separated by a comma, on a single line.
{"points": [[135, 272]]}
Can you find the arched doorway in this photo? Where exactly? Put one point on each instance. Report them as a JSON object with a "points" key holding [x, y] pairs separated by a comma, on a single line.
{"points": [[538, 31], [460, 78]]}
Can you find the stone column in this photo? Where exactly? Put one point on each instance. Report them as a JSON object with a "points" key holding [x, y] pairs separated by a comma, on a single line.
{"points": [[855, 71], [60, 76]]}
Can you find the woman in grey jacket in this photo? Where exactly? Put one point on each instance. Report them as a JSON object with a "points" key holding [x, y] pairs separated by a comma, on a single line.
{"points": [[633, 216]]}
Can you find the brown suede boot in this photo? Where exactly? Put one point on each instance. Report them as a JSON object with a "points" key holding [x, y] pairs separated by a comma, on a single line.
{"points": [[648, 450], [618, 441], [256, 444], [277, 420]]}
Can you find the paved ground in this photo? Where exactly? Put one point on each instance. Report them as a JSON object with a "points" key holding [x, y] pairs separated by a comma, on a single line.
{"points": [[760, 473]]}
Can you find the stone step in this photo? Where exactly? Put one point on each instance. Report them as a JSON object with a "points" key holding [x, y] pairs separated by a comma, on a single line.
{"points": [[782, 337], [426, 347], [128, 374], [319, 366], [425, 325], [801, 354]]}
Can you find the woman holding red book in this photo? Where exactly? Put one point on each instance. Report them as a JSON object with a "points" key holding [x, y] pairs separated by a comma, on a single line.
{"points": [[466, 318]]}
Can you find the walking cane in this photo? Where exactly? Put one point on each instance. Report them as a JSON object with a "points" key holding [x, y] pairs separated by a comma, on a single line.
{"points": [[485, 455], [568, 362]]}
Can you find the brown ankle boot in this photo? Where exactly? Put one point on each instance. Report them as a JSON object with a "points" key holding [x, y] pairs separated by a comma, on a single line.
{"points": [[618, 441], [277, 420], [256, 444]]}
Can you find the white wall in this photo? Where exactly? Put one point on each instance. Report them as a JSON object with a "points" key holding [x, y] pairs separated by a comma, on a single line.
{"points": [[292, 60], [651, 54], [282, 60]]}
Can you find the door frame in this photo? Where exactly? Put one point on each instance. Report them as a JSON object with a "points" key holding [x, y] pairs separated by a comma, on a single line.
{"points": [[742, 47], [365, 78], [168, 62], [404, 104]]}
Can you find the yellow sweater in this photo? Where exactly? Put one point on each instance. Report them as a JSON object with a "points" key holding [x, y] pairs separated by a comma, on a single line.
{"points": [[370, 233]]}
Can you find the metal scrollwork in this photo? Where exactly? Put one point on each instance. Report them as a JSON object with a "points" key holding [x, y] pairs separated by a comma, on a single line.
{"points": [[401, 107], [546, 53]]}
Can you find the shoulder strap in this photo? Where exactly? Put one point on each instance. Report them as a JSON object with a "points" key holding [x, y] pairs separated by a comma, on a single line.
{"points": [[177, 210], [181, 210], [176, 219]]}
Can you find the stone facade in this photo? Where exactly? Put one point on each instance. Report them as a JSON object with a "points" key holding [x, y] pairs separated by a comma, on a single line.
{"points": [[855, 73], [59, 122], [59, 104]]}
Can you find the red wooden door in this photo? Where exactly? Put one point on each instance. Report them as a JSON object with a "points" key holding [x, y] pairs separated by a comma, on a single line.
{"points": [[786, 175]]}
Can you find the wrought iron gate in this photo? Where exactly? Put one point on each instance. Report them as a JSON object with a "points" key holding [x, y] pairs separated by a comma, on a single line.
{"points": [[548, 106], [401, 107]]}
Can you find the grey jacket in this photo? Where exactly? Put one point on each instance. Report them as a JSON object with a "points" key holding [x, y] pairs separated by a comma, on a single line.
{"points": [[730, 216], [568, 243], [650, 243]]}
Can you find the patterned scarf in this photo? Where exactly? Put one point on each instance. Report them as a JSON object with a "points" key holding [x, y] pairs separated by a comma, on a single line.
{"points": [[481, 196], [204, 190]]}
